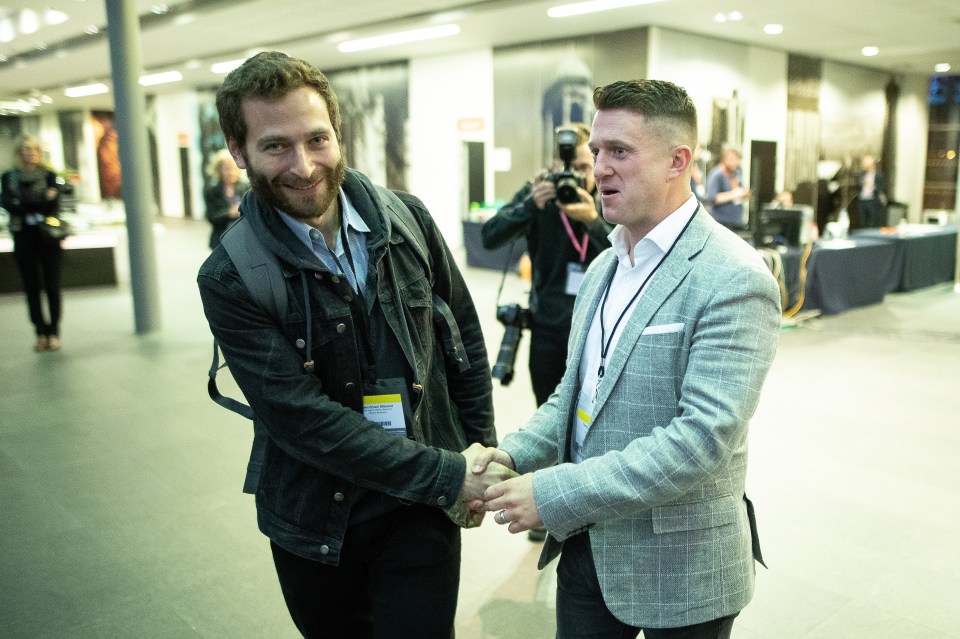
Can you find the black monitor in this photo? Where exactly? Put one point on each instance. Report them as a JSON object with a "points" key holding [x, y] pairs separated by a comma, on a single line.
{"points": [[788, 226]]}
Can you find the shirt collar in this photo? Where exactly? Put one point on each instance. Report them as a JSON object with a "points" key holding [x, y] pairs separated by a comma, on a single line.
{"points": [[351, 218], [661, 237]]}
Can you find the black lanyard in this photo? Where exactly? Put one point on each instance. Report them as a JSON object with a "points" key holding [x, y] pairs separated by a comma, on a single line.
{"points": [[605, 343]]}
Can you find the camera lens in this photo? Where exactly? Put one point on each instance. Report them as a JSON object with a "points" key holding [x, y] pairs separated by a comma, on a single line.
{"points": [[567, 190]]}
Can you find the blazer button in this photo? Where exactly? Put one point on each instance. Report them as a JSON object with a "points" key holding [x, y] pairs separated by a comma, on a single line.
{"points": [[341, 328], [300, 343], [324, 549], [441, 501], [338, 497], [335, 279]]}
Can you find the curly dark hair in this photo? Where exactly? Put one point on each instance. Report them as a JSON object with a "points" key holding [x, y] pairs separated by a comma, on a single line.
{"points": [[655, 100], [269, 75]]}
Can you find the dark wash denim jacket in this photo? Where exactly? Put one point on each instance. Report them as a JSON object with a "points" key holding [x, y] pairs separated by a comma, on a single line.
{"points": [[319, 447]]}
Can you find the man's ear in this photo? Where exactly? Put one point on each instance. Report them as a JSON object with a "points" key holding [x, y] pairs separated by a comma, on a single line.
{"points": [[237, 152], [681, 160]]}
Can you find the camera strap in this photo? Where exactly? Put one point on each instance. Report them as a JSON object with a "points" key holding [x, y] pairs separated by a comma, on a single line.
{"points": [[581, 248]]}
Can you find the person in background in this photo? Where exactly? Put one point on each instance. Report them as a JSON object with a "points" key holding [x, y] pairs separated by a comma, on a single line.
{"points": [[637, 464], [370, 386], [784, 200], [222, 197], [29, 192], [696, 174], [873, 194], [725, 190], [562, 240]]}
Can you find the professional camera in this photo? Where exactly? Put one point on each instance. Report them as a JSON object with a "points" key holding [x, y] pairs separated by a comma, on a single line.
{"points": [[567, 181], [515, 318]]}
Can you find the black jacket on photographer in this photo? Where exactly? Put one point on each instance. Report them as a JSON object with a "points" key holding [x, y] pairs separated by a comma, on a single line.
{"points": [[552, 254], [550, 249], [326, 466]]}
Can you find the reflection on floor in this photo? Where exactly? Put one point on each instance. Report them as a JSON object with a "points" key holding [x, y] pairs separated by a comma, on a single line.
{"points": [[123, 515]]}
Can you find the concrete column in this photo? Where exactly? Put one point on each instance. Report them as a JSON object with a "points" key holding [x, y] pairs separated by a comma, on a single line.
{"points": [[123, 26]]}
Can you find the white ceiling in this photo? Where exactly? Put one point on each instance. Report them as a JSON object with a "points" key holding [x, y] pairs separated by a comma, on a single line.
{"points": [[912, 36]]}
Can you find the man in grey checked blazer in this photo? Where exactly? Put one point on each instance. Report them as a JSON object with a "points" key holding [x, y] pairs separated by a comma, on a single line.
{"points": [[636, 465]]}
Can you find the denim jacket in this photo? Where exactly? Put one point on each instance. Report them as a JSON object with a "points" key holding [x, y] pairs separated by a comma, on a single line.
{"points": [[319, 447]]}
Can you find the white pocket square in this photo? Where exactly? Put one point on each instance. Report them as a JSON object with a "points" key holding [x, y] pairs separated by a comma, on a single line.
{"points": [[663, 328]]}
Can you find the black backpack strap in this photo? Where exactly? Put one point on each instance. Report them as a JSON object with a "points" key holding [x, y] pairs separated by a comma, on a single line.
{"points": [[261, 273]]}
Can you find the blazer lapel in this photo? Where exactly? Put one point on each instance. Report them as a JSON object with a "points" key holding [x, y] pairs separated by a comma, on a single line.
{"points": [[667, 278]]}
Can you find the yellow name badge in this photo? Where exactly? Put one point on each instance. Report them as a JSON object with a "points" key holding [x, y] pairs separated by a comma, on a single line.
{"points": [[385, 411], [582, 426]]}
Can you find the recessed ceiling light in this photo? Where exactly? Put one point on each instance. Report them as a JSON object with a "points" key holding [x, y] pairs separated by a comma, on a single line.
{"points": [[734, 16], [943, 67], [720, 17], [52, 16], [165, 77], [773, 29], [870, 51], [580, 8], [85, 90], [227, 66], [400, 37]]}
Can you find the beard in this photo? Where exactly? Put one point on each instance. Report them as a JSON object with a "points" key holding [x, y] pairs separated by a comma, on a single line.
{"points": [[308, 207]]}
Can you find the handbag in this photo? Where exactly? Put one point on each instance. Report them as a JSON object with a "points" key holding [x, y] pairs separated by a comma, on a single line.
{"points": [[54, 229]]}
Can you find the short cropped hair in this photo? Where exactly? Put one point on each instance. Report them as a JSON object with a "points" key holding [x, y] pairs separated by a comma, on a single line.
{"points": [[269, 75], [655, 100]]}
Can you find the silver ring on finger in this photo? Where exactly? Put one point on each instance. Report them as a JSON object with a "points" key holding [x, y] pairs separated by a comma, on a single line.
{"points": [[501, 517]]}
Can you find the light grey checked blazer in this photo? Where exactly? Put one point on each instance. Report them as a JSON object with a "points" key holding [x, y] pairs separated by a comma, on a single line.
{"points": [[661, 487]]}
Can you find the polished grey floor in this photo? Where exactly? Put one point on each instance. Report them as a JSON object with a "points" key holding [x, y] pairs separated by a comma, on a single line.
{"points": [[122, 514]]}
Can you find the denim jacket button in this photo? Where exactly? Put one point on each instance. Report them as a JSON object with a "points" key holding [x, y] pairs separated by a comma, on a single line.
{"points": [[338, 497], [441, 501], [318, 276], [341, 328], [324, 549], [300, 343], [335, 279]]}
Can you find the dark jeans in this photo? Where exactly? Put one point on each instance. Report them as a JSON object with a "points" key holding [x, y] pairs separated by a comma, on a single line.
{"points": [[39, 264], [582, 613], [399, 576], [872, 214], [548, 359]]}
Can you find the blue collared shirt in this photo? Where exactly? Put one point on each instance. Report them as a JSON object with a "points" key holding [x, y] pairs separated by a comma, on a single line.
{"points": [[355, 268]]}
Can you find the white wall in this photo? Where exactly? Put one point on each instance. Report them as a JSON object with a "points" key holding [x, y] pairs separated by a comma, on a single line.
{"points": [[710, 69], [446, 92], [177, 125], [911, 144]]}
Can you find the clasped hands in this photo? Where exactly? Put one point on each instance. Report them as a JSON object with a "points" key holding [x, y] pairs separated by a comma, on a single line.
{"points": [[492, 485]]}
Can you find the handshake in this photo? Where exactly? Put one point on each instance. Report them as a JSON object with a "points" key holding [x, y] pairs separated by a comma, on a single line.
{"points": [[491, 484]]}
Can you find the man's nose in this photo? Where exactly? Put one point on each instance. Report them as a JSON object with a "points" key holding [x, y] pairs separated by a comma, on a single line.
{"points": [[301, 164]]}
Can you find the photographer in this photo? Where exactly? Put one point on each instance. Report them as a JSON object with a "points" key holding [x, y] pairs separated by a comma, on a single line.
{"points": [[563, 237]]}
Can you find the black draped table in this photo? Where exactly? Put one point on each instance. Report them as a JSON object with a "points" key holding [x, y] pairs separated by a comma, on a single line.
{"points": [[926, 254], [841, 274]]}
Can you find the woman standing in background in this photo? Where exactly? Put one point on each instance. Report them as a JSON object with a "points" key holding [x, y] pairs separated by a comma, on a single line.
{"points": [[222, 197], [29, 192]]}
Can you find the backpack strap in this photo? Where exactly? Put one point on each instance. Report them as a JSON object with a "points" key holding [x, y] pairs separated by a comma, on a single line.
{"points": [[261, 273]]}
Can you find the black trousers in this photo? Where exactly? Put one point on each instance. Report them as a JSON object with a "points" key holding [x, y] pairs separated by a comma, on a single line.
{"points": [[39, 264], [548, 359], [872, 214], [399, 576], [583, 614]]}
